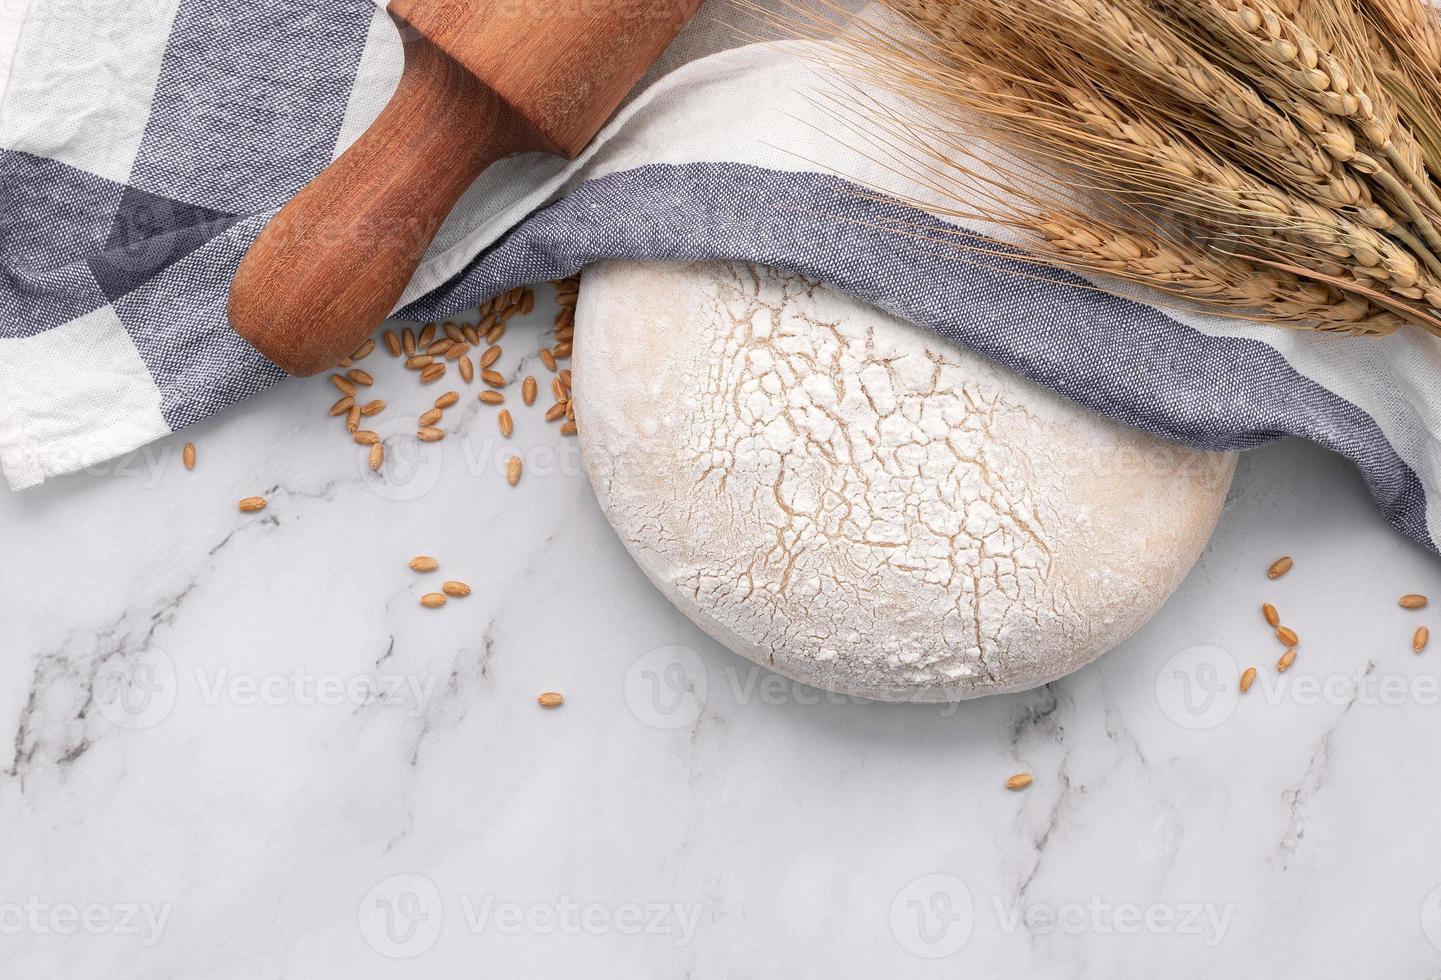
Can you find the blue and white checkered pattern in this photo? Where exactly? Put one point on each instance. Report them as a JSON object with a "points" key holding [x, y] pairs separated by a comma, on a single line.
{"points": [[142, 149]]}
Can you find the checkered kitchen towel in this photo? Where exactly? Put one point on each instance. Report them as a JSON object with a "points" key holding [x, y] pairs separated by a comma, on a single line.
{"points": [[144, 143]]}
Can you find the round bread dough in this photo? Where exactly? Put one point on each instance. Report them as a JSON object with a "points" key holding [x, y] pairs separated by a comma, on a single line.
{"points": [[861, 505]]}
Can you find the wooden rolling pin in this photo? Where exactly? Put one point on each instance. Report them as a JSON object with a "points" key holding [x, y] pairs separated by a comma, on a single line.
{"points": [[483, 79]]}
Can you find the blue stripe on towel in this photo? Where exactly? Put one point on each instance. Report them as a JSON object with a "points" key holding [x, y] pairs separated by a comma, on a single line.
{"points": [[1121, 358]]}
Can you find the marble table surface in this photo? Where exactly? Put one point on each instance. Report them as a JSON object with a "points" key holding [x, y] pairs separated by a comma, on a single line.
{"points": [[239, 748]]}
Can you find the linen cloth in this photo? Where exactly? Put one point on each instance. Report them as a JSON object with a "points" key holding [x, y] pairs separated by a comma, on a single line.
{"points": [[143, 146]]}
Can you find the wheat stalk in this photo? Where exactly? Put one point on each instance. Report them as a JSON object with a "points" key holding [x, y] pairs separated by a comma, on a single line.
{"points": [[1271, 159]]}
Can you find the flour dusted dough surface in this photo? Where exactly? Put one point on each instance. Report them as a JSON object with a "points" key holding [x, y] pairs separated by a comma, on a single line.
{"points": [[861, 505]]}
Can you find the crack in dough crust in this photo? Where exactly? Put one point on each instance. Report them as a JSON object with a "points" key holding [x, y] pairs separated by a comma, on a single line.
{"points": [[861, 505]]}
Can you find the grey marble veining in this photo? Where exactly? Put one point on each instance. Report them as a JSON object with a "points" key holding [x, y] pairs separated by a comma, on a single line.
{"points": [[237, 747]]}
